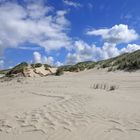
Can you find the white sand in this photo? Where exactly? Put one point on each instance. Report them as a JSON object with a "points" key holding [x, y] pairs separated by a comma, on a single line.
{"points": [[39, 71], [1, 75], [69, 107]]}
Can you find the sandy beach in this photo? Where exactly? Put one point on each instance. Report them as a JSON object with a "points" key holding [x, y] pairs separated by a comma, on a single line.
{"points": [[74, 106], [69, 70]]}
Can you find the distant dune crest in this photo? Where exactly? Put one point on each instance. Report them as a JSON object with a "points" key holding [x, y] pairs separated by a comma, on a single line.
{"points": [[125, 62], [31, 70]]}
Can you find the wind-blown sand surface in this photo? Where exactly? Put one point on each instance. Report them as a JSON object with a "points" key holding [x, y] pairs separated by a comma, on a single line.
{"points": [[75, 106]]}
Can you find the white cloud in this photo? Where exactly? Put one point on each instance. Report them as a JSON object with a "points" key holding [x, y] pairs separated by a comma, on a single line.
{"points": [[86, 52], [36, 11], [41, 25], [72, 58], [109, 50], [130, 48], [37, 57], [83, 52], [112, 37], [90, 5], [29, 48], [48, 60], [1, 64], [58, 64], [117, 34], [72, 3], [34, 23]]}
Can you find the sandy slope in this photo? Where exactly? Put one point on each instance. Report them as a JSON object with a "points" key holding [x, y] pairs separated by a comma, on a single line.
{"points": [[1, 75], [70, 107]]}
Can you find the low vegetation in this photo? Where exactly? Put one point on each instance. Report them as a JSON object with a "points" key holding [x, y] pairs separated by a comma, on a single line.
{"points": [[81, 66], [22, 68], [59, 72], [104, 86], [37, 65], [47, 66], [4, 71], [19, 69], [126, 62]]}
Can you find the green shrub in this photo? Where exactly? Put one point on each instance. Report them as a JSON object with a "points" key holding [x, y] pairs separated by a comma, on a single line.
{"points": [[127, 61], [59, 72], [91, 66], [4, 71], [81, 68], [17, 69], [110, 69], [73, 69], [104, 66], [32, 65], [122, 66], [47, 66], [37, 65]]}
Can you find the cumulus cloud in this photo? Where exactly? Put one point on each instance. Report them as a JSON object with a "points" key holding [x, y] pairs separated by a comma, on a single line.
{"points": [[90, 5], [38, 58], [58, 64], [36, 11], [34, 23], [48, 60], [1, 64], [72, 3], [130, 48], [117, 34], [109, 50], [82, 52], [86, 52], [111, 37]]}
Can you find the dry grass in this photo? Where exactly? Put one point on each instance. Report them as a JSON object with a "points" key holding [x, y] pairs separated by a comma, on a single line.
{"points": [[104, 86]]}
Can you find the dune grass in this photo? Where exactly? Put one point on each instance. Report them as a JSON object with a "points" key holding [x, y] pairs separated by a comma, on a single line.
{"points": [[126, 62], [19, 69]]}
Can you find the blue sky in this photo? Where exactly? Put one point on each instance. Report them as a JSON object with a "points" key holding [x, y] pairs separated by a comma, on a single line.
{"points": [[61, 32]]}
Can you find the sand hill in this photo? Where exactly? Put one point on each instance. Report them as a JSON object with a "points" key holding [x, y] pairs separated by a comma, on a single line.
{"points": [[126, 62], [31, 70]]}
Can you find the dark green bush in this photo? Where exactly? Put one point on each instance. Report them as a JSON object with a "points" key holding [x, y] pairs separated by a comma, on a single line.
{"points": [[4, 71], [17, 69], [73, 69], [91, 66], [104, 66], [47, 66], [82, 68], [110, 69], [59, 72], [37, 65]]}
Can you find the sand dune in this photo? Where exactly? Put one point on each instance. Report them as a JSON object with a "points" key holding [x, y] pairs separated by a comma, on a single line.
{"points": [[75, 106]]}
